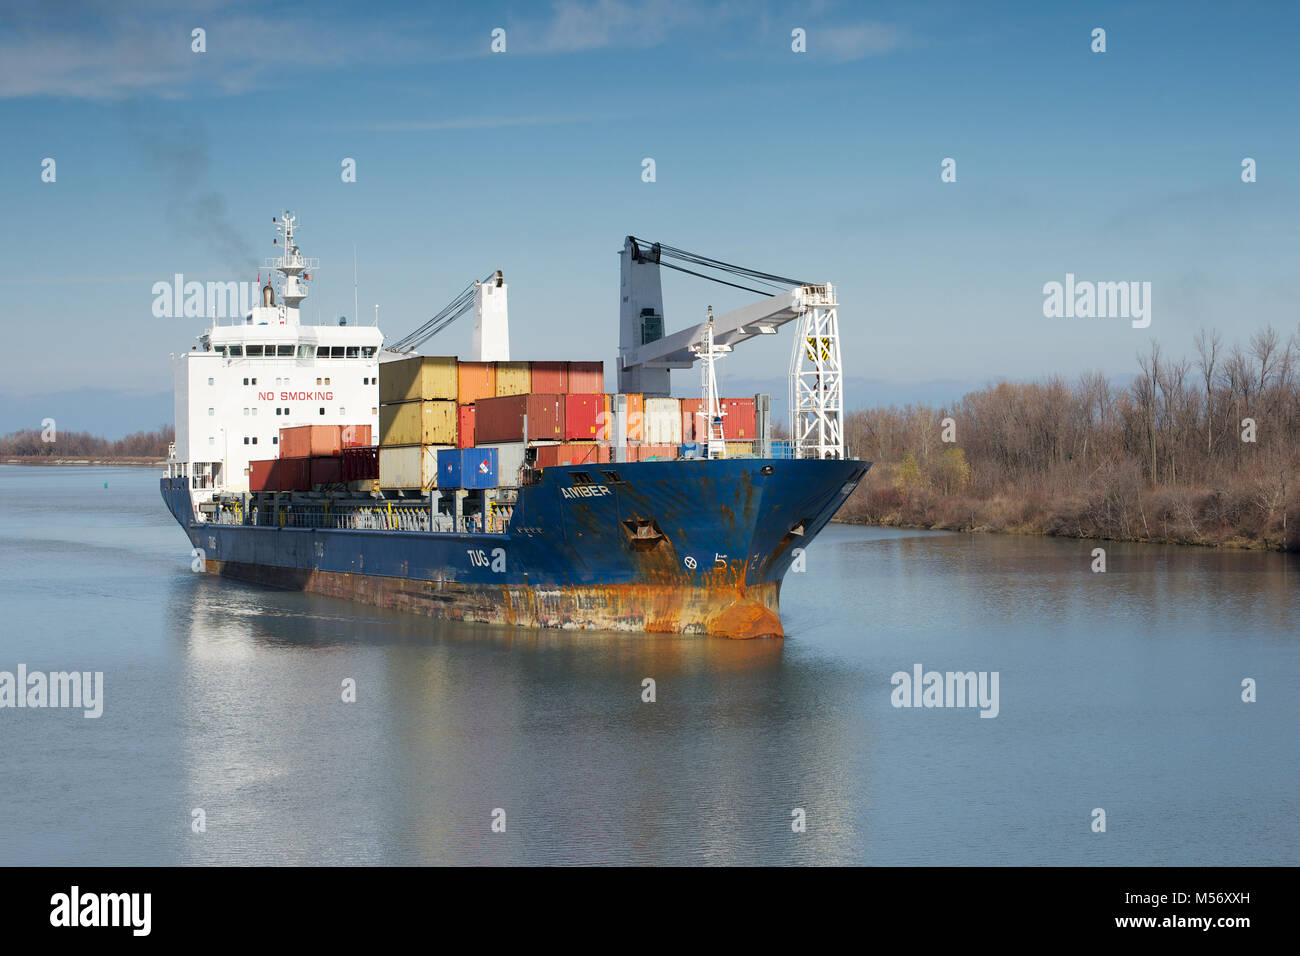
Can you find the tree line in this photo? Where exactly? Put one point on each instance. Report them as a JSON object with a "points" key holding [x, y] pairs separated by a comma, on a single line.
{"points": [[31, 443], [1196, 450]]}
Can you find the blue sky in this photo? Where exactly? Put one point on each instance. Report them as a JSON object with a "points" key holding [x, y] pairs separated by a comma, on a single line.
{"points": [[1124, 165]]}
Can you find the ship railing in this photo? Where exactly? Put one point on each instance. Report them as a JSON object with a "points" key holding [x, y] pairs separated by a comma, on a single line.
{"points": [[383, 516]]}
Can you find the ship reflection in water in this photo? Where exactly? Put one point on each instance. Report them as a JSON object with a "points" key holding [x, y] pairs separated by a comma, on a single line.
{"points": [[452, 723]]}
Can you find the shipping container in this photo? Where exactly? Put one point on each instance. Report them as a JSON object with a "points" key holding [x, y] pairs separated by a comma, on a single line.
{"points": [[467, 468], [418, 423], [502, 419], [476, 380], [738, 424], [740, 449], [363, 486], [510, 458], [635, 416], [663, 421], [585, 378], [326, 471], [692, 427], [656, 452], [421, 378], [552, 378], [411, 467], [307, 441], [465, 426], [264, 475], [514, 378], [356, 436], [360, 464], [582, 417], [294, 474], [570, 453]]}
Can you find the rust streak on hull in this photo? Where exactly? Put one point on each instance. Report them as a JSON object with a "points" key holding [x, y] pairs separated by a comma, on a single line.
{"points": [[720, 610]]}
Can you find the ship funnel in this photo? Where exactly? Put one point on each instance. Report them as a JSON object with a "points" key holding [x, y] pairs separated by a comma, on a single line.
{"points": [[268, 295]]}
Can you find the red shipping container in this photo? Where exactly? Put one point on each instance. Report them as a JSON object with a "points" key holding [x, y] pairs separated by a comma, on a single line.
{"points": [[295, 474], [738, 423], [569, 453], [327, 470], [582, 417], [355, 436], [502, 419], [691, 418], [465, 426], [264, 475], [307, 441], [360, 464], [552, 378], [584, 378]]}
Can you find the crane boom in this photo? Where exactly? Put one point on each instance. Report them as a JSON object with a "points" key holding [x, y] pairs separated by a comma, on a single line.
{"points": [[646, 356]]}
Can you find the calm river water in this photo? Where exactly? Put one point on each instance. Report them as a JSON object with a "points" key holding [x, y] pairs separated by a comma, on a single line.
{"points": [[1119, 691]]}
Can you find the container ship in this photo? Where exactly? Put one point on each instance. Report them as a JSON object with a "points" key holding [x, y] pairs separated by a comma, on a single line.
{"points": [[518, 493]]}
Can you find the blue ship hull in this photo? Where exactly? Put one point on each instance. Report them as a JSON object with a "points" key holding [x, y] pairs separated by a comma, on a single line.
{"points": [[674, 546]]}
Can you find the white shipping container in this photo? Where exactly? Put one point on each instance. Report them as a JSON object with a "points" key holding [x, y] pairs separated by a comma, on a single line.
{"points": [[510, 458], [409, 466], [663, 421]]}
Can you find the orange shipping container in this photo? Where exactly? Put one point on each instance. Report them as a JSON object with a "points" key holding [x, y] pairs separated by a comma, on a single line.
{"points": [[465, 427], [635, 416], [585, 378], [569, 453], [356, 436], [306, 441], [552, 378], [475, 380]]}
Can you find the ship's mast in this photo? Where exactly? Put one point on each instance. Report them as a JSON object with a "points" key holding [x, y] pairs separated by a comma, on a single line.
{"points": [[709, 352], [293, 266]]}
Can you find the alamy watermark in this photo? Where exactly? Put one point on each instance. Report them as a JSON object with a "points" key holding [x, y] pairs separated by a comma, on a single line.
{"points": [[179, 299], [68, 689], [922, 688], [1098, 300]]}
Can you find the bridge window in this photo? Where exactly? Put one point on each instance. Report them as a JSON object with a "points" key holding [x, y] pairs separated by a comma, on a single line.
{"points": [[253, 351], [236, 351], [368, 351], [354, 351], [284, 351], [336, 351], [304, 351], [322, 351]]}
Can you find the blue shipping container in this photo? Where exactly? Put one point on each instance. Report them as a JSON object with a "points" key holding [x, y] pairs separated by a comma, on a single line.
{"points": [[467, 467]]}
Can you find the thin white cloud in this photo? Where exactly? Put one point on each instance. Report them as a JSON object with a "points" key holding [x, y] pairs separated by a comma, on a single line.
{"points": [[471, 122]]}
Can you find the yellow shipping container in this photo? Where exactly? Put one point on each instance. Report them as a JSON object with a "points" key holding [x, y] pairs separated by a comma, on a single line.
{"points": [[418, 423], [739, 449], [514, 378], [419, 378]]}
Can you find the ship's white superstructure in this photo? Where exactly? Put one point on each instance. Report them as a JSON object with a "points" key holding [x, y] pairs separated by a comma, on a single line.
{"points": [[243, 382]]}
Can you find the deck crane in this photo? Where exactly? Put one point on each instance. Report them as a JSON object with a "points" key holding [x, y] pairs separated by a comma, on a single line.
{"points": [[487, 297], [647, 356]]}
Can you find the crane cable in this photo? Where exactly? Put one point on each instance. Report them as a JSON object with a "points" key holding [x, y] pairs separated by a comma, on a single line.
{"points": [[445, 317], [660, 251]]}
